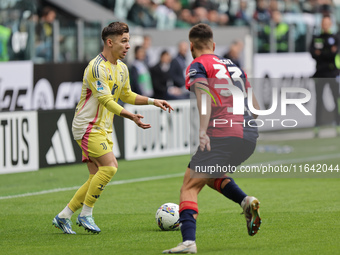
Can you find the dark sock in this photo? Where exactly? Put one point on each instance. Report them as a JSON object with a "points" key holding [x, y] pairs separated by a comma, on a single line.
{"points": [[188, 224], [233, 191]]}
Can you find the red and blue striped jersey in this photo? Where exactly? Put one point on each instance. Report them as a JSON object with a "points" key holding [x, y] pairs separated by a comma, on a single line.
{"points": [[226, 83]]}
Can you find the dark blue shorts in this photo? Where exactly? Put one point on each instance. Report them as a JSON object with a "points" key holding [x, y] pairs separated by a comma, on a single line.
{"points": [[226, 154]]}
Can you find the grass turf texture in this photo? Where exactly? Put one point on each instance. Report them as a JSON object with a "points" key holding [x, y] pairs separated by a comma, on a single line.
{"points": [[299, 215]]}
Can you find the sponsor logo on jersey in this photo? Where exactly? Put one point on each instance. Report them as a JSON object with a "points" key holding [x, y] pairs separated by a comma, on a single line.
{"points": [[192, 72], [99, 86], [114, 89]]}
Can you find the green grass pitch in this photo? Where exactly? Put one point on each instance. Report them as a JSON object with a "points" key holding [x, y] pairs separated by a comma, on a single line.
{"points": [[299, 215]]}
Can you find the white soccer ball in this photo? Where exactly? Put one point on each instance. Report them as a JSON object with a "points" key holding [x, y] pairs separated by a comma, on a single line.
{"points": [[167, 216]]}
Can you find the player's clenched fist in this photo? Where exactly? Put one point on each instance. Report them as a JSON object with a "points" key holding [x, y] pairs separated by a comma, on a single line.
{"points": [[204, 141]]}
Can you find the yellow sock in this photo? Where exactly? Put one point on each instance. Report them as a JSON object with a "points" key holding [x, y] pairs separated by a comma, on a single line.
{"points": [[98, 183], [79, 197]]}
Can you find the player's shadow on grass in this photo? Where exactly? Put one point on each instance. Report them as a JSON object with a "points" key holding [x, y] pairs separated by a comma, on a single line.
{"points": [[77, 233]]}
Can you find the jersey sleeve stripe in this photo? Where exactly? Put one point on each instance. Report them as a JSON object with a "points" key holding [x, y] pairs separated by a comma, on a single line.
{"points": [[95, 68], [97, 71]]}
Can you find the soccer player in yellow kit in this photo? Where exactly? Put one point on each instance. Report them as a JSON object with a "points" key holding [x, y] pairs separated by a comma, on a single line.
{"points": [[106, 79]]}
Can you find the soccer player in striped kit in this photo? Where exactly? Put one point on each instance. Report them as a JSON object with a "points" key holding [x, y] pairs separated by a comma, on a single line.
{"points": [[225, 139], [106, 79]]}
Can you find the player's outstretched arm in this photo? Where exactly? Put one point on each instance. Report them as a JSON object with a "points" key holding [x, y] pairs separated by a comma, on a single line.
{"points": [[115, 108], [142, 100], [137, 118], [163, 104]]}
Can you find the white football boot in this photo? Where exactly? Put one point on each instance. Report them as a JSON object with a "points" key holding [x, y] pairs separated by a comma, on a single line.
{"points": [[187, 247]]}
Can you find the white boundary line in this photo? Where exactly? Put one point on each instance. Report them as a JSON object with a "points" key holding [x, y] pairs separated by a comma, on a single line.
{"points": [[161, 177], [143, 179]]}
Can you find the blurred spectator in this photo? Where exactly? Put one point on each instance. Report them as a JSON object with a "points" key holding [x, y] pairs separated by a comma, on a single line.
{"points": [[44, 34], [200, 15], [17, 18], [184, 19], [141, 15], [325, 8], [261, 13], [185, 3], [5, 34], [140, 79], [234, 52], [241, 17], [309, 6], [147, 41], [122, 8], [177, 69], [223, 19], [108, 4], [165, 14], [160, 77], [292, 6], [207, 4], [273, 6], [213, 18], [281, 30], [324, 49]]}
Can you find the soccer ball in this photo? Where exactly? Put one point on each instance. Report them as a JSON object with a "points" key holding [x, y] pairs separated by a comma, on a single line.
{"points": [[167, 216]]}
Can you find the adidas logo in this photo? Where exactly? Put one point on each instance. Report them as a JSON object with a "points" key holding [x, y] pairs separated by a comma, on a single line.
{"points": [[61, 150]]}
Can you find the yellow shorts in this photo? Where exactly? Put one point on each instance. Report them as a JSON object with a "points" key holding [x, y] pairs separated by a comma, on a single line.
{"points": [[95, 144]]}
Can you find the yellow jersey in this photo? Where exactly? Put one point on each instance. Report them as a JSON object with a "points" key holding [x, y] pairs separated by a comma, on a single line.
{"points": [[101, 78]]}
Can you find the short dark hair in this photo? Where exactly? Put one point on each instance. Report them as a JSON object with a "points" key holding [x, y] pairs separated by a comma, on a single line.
{"points": [[115, 28], [201, 36], [46, 10], [164, 52], [137, 48]]}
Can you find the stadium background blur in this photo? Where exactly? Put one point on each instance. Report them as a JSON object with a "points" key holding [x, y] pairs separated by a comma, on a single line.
{"points": [[71, 33], [51, 42]]}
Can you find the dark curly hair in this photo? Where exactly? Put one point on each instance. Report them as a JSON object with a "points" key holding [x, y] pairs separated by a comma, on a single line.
{"points": [[115, 28]]}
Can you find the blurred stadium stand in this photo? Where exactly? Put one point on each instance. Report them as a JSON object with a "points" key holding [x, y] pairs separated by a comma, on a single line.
{"points": [[273, 48], [86, 10], [78, 24]]}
